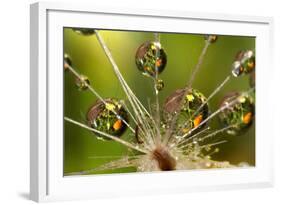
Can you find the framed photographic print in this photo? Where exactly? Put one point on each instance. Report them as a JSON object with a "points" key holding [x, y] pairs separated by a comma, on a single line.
{"points": [[127, 102]]}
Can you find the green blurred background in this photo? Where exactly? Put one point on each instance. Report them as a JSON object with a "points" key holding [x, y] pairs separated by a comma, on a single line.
{"points": [[83, 151]]}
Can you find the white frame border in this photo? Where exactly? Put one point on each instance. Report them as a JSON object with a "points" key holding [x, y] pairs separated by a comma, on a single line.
{"points": [[39, 95]]}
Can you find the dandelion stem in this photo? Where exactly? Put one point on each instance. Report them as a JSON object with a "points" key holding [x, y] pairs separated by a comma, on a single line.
{"points": [[131, 115], [183, 140], [198, 65], [157, 40], [116, 164], [216, 132], [207, 136], [213, 144], [157, 37], [111, 157], [135, 103]]}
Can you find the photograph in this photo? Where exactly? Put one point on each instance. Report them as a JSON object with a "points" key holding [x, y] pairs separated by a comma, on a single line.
{"points": [[139, 101]]}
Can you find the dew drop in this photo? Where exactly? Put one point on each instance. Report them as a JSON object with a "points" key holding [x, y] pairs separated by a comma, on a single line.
{"points": [[82, 83], [195, 142], [193, 110], [151, 58], [159, 85], [240, 115], [244, 63], [237, 69], [103, 117]]}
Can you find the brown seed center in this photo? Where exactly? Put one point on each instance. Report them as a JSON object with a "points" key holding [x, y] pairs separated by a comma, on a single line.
{"points": [[165, 161]]}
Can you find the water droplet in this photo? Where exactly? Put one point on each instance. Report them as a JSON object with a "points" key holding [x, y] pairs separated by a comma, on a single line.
{"points": [[67, 61], [82, 83], [193, 109], [211, 38], [159, 84], [244, 63], [237, 69], [239, 114], [102, 117], [84, 31], [151, 58], [195, 142]]}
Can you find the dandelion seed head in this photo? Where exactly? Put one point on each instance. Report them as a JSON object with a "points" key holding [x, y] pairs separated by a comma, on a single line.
{"points": [[173, 136]]}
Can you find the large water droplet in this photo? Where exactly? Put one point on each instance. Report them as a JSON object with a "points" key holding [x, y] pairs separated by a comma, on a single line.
{"points": [[108, 117], [192, 107], [239, 112], [151, 58]]}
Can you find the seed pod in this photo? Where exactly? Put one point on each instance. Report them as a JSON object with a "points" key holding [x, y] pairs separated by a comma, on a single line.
{"points": [[192, 110], [84, 31], [103, 118], [239, 114], [166, 162], [151, 58]]}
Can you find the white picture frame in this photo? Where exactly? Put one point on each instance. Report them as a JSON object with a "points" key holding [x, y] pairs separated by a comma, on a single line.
{"points": [[46, 149]]}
